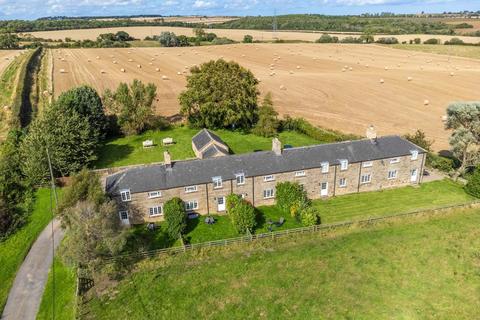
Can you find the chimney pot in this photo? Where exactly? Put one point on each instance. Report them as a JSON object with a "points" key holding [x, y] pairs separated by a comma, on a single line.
{"points": [[372, 134], [167, 159], [277, 146]]}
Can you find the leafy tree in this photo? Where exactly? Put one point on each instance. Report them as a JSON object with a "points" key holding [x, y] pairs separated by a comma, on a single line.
{"points": [[123, 36], [176, 217], [268, 124], [247, 38], [6, 217], [325, 38], [12, 187], [417, 41], [9, 41], [464, 120], [455, 41], [291, 198], [432, 41], [473, 185], [367, 36], [168, 39], [241, 213], [420, 139], [222, 41], [87, 103], [212, 102], [132, 104], [309, 216], [388, 40], [68, 136], [199, 33], [103, 37]]}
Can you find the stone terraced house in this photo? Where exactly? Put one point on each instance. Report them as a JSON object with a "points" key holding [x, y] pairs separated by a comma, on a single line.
{"points": [[324, 170]]}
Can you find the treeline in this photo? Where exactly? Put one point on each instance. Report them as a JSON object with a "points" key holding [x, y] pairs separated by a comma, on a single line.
{"points": [[170, 39], [341, 24]]}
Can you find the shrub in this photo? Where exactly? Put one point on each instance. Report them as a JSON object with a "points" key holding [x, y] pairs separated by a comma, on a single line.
{"points": [[420, 139], [291, 197], [351, 40], [455, 42], [309, 216], [267, 124], [387, 40], [325, 38], [176, 217], [242, 213], [440, 163], [473, 184], [222, 40], [432, 41], [417, 41], [247, 39]]}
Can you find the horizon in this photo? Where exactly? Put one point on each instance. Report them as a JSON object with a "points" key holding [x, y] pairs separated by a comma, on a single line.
{"points": [[34, 9]]}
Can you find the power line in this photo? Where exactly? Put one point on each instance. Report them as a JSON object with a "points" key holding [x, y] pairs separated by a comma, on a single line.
{"points": [[54, 192]]}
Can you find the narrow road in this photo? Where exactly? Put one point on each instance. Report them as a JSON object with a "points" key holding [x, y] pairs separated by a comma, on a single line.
{"points": [[27, 290]]}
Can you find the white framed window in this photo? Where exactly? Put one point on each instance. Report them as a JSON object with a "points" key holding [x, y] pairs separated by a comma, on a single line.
{"points": [[155, 211], [414, 154], [300, 174], [395, 160], [392, 174], [126, 195], [343, 164], [217, 182], [154, 194], [270, 177], [367, 164], [191, 205], [366, 178], [190, 189], [325, 167], [268, 193], [342, 182], [123, 215], [240, 177]]}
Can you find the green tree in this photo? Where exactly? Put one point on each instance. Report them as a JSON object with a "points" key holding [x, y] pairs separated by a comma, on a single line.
{"points": [[132, 104], [9, 41], [12, 187], [420, 139], [168, 39], [247, 38], [241, 213], [212, 102], [309, 216], [175, 217], [291, 198], [268, 123], [367, 36], [123, 36], [87, 103], [325, 38], [464, 120], [473, 185]]}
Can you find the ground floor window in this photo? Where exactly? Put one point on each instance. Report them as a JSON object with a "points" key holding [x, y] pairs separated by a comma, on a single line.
{"points": [[366, 178], [343, 182], [268, 193], [155, 211], [392, 174], [191, 205]]}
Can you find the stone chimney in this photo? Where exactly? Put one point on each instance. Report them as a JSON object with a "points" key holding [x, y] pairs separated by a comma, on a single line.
{"points": [[372, 134], [167, 160], [277, 146]]}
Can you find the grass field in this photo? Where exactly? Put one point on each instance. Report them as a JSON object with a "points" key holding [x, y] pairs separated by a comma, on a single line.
{"points": [[129, 150], [343, 208], [457, 51], [65, 294], [14, 249], [416, 268]]}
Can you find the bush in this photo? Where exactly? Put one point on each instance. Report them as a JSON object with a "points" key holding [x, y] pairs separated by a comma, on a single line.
{"points": [[420, 139], [432, 41], [309, 216], [291, 197], [242, 213], [247, 39], [325, 38], [176, 217], [455, 42], [351, 40], [267, 124], [417, 41], [387, 40], [440, 163], [223, 40], [473, 184]]}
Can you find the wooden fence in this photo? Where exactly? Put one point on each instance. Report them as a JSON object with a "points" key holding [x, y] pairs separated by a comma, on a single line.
{"points": [[285, 233]]}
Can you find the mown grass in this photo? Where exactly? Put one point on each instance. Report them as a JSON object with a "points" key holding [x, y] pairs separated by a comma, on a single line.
{"points": [[343, 208], [414, 268], [14, 249], [458, 51], [65, 294], [129, 150]]}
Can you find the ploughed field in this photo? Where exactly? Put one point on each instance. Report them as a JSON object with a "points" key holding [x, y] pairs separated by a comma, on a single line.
{"points": [[338, 86], [234, 34]]}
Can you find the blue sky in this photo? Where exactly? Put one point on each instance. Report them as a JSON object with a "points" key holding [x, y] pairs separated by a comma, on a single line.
{"points": [[31, 9]]}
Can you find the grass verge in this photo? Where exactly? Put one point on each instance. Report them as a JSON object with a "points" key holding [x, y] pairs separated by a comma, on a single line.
{"points": [[418, 268]]}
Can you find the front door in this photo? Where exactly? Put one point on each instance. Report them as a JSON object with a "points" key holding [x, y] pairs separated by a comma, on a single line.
{"points": [[220, 204], [324, 189], [124, 217], [413, 175]]}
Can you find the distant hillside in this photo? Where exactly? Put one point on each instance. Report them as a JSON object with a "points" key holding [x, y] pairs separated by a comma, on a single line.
{"points": [[385, 25]]}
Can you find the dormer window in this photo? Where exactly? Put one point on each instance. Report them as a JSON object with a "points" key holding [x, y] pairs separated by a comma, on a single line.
{"points": [[300, 174], [190, 189], [125, 194], [325, 167], [217, 182], [343, 164], [414, 154]]}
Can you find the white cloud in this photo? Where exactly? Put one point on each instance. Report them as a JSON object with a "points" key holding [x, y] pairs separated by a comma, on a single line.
{"points": [[201, 4]]}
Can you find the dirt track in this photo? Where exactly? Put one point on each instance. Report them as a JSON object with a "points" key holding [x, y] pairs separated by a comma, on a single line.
{"points": [[336, 86]]}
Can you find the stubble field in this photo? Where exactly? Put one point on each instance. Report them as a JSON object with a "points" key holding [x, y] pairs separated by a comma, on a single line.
{"points": [[335, 86], [7, 56]]}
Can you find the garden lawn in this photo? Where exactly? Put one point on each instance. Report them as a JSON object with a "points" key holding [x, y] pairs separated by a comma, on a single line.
{"points": [[393, 201], [14, 249], [414, 268], [65, 294], [129, 150]]}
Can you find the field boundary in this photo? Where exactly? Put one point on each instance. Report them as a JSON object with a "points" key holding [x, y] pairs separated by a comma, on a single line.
{"points": [[289, 232]]}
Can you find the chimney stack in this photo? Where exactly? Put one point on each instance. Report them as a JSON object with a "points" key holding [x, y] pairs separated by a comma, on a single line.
{"points": [[372, 134], [167, 160], [277, 146]]}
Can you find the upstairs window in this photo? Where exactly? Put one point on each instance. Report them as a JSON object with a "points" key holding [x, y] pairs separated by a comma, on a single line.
{"points": [[325, 167], [125, 194], [155, 211], [300, 174], [217, 182], [367, 164], [190, 189], [343, 164], [395, 160], [414, 154], [270, 177], [240, 179], [154, 194]]}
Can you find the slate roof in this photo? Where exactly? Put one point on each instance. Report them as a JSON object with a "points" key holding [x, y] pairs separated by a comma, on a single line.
{"points": [[213, 151], [194, 172], [204, 137]]}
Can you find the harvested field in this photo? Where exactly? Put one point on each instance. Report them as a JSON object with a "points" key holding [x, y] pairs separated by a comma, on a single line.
{"points": [[335, 86], [6, 56], [186, 19], [237, 35]]}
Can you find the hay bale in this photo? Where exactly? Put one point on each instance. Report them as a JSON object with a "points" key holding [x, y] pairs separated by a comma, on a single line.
{"points": [[114, 62], [103, 71], [122, 70], [426, 102], [409, 79], [130, 60], [139, 66], [97, 57], [62, 70], [157, 69], [382, 81], [282, 87], [386, 68], [179, 73], [89, 60], [298, 67], [444, 118], [452, 74], [164, 77], [291, 72], [351, 69], [150, 63]]}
